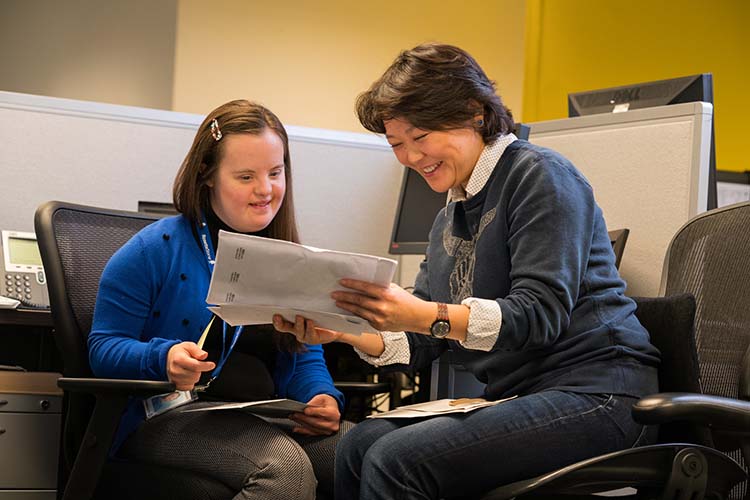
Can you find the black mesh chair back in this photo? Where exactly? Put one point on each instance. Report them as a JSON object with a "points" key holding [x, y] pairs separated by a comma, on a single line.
{"points": [[708, 257], [76, 242]]}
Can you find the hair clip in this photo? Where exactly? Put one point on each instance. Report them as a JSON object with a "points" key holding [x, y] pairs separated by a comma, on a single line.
{"points": [[215, 130]]}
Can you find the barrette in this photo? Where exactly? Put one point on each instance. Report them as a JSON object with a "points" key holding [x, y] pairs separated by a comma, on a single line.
{"points": [[215, 130]]}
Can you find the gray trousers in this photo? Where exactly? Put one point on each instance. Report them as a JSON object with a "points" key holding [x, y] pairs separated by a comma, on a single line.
{"points": [[258, 458]]}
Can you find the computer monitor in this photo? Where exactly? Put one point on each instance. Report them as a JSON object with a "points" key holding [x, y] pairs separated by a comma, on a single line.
{"points": [[417, 207], [644, 95]]}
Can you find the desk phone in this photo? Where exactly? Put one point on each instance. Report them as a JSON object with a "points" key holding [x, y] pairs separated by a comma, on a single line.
{"points": [[23, 277]]}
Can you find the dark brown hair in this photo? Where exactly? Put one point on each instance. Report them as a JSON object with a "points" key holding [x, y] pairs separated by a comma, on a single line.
{"points": [[190, 192], [435, 87]]}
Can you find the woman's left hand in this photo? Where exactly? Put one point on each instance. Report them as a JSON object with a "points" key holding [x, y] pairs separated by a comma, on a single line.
{"points": [[305, 330], [385, 308], [321, 418]]}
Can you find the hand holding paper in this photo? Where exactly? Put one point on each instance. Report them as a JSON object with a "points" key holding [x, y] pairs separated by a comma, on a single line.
{"points": [[320, 418], [307, 332]]}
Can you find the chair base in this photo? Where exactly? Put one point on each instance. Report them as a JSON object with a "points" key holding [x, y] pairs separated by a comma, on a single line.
{"points": [[664, 472]]}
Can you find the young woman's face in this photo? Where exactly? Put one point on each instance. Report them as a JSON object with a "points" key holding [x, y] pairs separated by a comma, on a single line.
{"points": [[249, 185], [445, 158]]}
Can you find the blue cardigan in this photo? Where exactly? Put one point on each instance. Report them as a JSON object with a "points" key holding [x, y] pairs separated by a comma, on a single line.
{"points": [[152, 295]]}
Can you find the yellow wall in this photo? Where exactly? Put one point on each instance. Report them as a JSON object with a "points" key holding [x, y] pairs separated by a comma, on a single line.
{"points": [[576, 45], [308, 60]]}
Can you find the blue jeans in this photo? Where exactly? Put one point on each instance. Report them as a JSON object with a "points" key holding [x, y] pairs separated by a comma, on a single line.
{"points": [[460, 455]]}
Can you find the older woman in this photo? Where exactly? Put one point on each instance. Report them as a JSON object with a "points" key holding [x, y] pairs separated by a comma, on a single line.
{"points": [[519, 281]]}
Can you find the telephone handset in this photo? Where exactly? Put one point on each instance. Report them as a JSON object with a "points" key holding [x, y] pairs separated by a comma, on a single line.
{"points": [[23, 277]]}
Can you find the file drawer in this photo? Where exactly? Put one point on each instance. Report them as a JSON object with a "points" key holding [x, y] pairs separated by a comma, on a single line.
{"points": [[30, 412]]}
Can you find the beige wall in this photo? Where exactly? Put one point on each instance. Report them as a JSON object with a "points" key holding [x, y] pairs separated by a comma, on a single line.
{"points": [[308, 60], [577, 45], [112, 51]]}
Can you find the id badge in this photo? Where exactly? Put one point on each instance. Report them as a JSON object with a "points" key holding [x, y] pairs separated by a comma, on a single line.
{"points": [[156, 405]]}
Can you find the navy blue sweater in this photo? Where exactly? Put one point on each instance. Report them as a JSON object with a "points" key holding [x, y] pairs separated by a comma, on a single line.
{"points": [[535, 240]]}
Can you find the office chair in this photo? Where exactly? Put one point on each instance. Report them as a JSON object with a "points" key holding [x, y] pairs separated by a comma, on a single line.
{"points": [[76, 242], [708, 257], [684, 465], [618, 238], [354, 378], [703, 411]]}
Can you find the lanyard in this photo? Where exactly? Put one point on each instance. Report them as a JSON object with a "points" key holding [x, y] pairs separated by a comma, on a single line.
{"points": [[208, 250]]}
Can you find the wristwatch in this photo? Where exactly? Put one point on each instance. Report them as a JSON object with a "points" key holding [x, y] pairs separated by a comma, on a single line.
{"points": [[441, 327]]}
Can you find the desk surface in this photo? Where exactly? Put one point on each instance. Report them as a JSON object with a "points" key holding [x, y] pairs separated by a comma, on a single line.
{"points": [[26, 317]]}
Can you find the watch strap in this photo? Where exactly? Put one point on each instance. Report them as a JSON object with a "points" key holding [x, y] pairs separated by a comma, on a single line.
{"points": [[441, 327], [442, 312]]}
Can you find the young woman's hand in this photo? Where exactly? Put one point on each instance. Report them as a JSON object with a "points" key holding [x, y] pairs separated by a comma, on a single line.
{"points": [[321, 418], [185, 365], [385, 308], [305, 330]]}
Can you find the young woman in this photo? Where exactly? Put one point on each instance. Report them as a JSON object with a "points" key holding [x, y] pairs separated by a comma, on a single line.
{"points": [[519, 281], [151, 311]]}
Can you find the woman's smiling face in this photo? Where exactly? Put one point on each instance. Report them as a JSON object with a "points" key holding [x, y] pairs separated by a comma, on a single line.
{"points": [[444, 158], [248, 187]]}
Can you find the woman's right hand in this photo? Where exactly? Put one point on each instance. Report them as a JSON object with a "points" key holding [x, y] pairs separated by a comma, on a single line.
{"points": [[185, 365], [305, 330], [307, 333]]}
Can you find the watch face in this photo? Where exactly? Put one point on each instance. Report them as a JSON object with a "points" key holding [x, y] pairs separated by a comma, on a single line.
{"points": [[440, 329]]}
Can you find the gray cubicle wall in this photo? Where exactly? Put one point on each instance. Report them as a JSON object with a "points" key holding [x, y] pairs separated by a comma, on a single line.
{"points": [[649, 171], [345, 184]]}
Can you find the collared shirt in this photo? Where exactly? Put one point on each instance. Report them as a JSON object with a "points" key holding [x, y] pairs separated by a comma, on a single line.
{"points": [[485, 316]]}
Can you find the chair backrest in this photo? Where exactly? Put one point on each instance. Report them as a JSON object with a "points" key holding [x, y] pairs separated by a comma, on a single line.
{"points": [[618, 238], [76, 242], [708, 257]]}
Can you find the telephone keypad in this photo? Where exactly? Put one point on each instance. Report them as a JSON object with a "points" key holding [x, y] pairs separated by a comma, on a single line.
{"points": [[18, 286]]}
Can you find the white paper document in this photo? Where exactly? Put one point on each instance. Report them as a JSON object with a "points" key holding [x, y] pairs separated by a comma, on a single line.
{"points": [[255, 278], [278, 408], [439, 407]]}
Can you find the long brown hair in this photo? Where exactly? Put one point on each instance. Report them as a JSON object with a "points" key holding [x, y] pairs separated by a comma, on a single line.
{"points": [[435, 87], [190, 192]]}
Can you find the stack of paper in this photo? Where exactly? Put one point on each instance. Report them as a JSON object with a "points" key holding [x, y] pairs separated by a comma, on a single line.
{"points": [[255, 278], [439, 407]]}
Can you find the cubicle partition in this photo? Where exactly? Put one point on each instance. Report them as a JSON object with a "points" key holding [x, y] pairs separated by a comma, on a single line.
{"points": [[649, 171], [345, 184]]}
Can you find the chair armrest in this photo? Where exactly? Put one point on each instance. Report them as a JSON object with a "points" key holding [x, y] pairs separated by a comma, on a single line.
{"points": [[112, 397], [719, 412], [115, 387]]}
